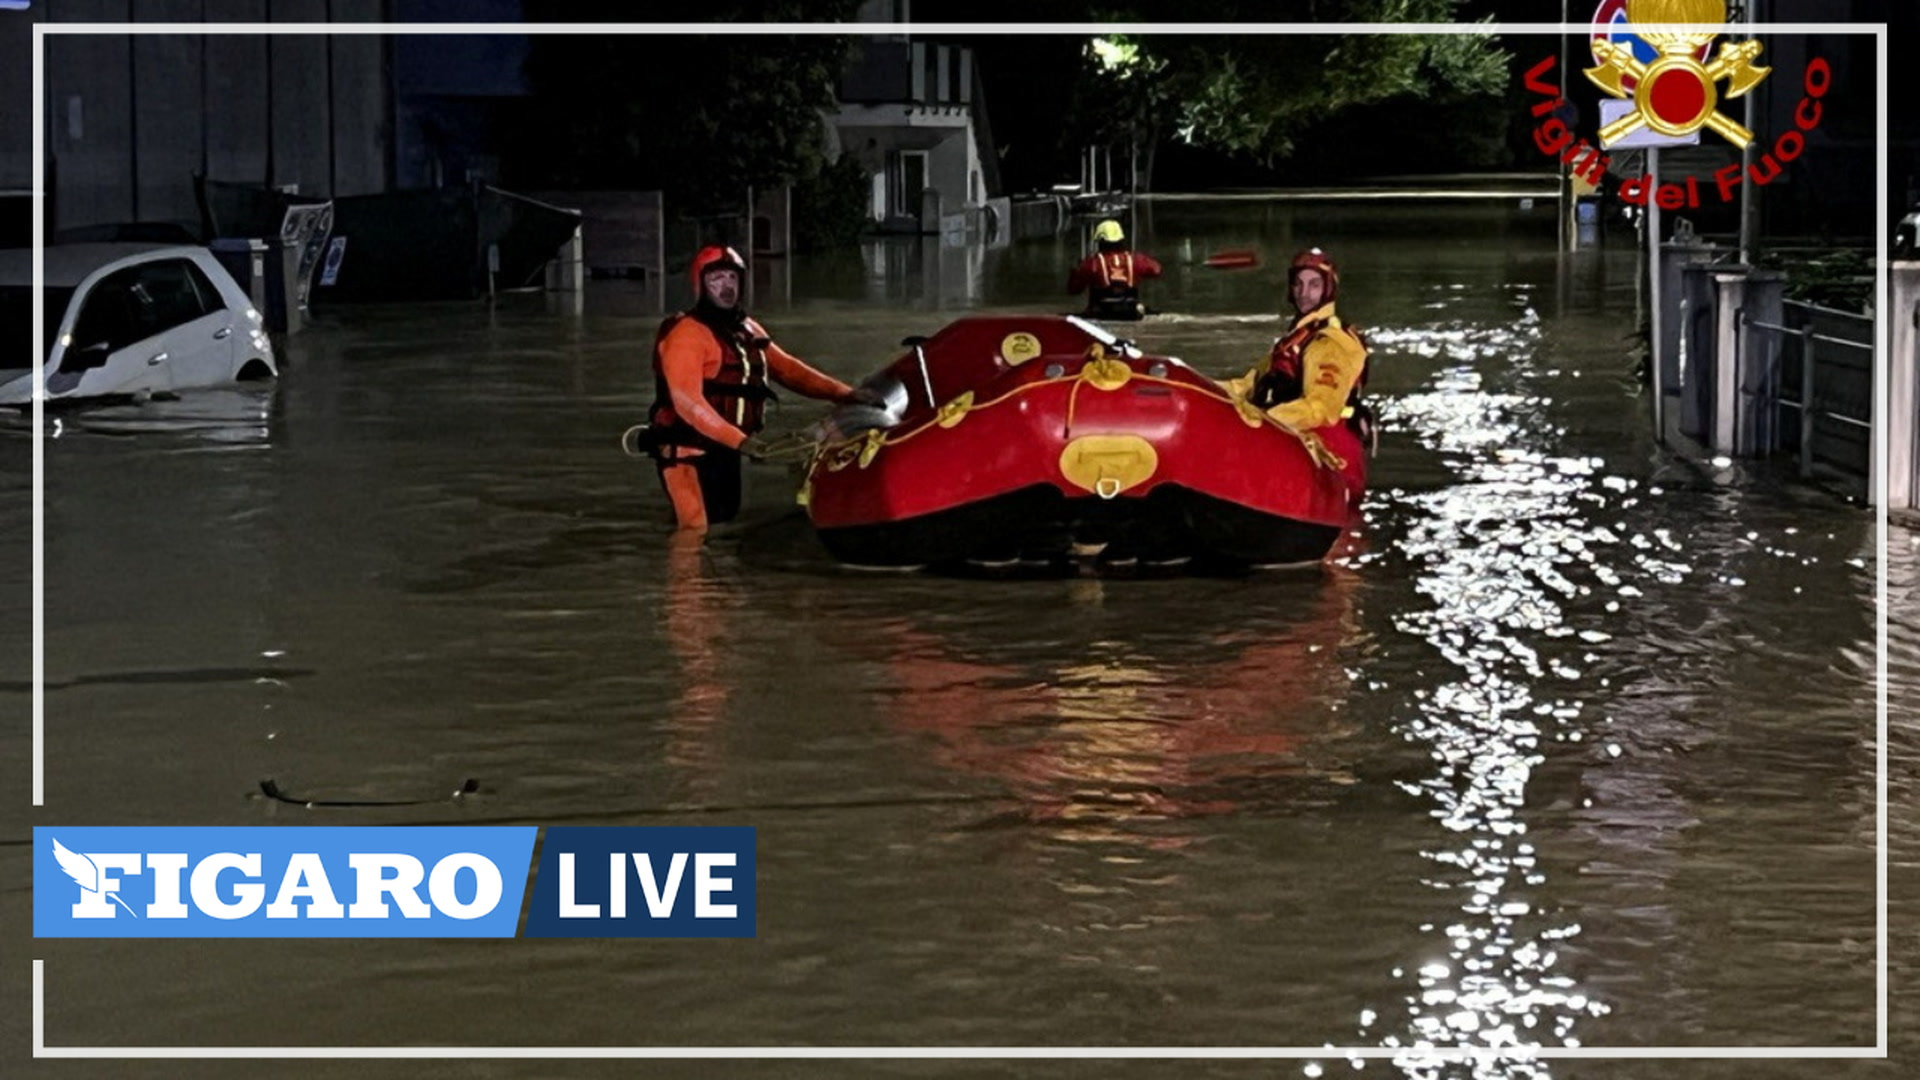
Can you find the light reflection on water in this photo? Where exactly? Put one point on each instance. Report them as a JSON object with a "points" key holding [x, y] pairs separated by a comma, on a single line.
{"points": [[219, 418], [1492, 554]]}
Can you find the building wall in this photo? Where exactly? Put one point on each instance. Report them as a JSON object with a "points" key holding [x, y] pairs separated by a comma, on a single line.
{"points": [[899, 95], [299, 97], [169, 125], [16, 89], [236, 131], [90, 116], [452, 92], [131, 118], [948, 168], [361, 127]]}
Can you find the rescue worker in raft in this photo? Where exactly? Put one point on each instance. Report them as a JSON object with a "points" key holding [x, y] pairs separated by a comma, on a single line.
{"points": [[1112, 275], [711, 366], [1313, 376]]}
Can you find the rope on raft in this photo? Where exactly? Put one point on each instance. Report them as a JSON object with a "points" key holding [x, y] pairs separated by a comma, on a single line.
{"points": [[800, 446], [843, 452], [793, 446]]}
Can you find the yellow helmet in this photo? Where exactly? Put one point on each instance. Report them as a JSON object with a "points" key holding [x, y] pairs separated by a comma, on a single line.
{"points": [[1109, 232]]}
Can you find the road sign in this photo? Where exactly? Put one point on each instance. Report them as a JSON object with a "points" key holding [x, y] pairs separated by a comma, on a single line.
{"points": [[1612, 109]]}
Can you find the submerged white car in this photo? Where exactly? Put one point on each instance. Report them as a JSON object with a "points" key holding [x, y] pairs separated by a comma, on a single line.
{"points": [[128, 320]]}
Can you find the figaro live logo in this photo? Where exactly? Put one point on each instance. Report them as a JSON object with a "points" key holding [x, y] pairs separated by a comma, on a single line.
{"points": [[393, 882]]}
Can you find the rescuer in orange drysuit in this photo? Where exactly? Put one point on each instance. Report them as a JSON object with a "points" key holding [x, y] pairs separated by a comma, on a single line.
{"points": [[711, 367]]}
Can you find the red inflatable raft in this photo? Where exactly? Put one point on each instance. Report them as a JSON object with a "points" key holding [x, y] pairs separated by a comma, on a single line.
{"points": [[1044, 437]]}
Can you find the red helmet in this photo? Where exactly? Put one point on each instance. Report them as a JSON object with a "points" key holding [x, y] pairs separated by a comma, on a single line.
{"points": [[1315, 259], [711, 257]]}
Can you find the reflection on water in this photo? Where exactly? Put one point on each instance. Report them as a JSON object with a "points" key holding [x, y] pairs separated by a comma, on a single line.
{"points": [[224, 417], [1120, 726], [1492, 554], [695, 616], [1572, 748]]}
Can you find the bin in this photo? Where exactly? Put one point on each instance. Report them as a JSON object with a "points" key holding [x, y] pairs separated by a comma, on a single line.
{"points": [[268, 271]]}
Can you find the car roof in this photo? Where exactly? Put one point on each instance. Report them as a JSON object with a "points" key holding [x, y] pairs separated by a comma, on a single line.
{"points": [[69, 264]]}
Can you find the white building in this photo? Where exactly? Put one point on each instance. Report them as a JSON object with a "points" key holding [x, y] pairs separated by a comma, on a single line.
{"points": [[911, 112]]}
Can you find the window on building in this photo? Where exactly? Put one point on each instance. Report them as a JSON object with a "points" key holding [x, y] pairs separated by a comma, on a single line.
{"points": [[910, 179]]}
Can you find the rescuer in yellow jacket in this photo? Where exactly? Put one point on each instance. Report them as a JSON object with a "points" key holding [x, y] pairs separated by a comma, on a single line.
{"points": [[1314, 374]]}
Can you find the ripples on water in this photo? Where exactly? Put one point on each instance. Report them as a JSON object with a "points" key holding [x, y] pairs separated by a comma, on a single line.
{"points": [[208, 419], [1553, 581], [1571, 747]]}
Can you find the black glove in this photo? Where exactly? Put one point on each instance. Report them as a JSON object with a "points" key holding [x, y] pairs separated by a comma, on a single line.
{"points": [[863, 395], [753, 448]]}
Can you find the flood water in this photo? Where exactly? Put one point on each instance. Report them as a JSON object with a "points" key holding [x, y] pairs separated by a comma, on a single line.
{"points": [[1574, 746]]}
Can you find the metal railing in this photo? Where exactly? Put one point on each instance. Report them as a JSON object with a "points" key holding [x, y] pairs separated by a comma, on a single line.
{"points": [[1815, 360]]}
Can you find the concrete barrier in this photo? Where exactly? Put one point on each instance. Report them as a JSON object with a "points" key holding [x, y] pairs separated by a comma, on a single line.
{"points": [[568, 271], [1690, 321], [622, 233], [1748, 374], [998, 216], [1042, 216], [1903, 387], [1671, 412], [268, 271], [1729, 362]]}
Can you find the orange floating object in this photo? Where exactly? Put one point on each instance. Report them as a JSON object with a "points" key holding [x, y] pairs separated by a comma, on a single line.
{"points": [[1233, 260]]}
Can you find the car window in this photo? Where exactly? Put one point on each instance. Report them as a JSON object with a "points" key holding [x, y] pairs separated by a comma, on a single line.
{"points": [[16, 320], [210, 298], [166, 296], [107, 320], [138, 302]]}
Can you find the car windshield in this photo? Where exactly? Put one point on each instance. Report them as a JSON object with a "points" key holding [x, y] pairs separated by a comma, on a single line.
{"points": [[16, 317]]}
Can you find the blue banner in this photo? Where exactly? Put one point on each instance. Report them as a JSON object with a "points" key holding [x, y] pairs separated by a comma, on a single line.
{"points": [[348, 881], [680, 881]]}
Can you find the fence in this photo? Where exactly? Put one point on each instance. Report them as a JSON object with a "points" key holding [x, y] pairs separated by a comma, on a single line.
{"points": [[1818, 365], [1039, 216]]}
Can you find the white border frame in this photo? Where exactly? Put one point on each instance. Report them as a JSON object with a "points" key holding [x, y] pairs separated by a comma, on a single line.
{"points": [[1323, 1053]]}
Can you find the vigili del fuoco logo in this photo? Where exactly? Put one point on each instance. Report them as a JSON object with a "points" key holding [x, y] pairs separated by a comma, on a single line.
{"points": [[1673, 90]]}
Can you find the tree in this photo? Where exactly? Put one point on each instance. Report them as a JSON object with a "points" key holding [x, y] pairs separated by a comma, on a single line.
{"points": [[698, 117], [1256, 95]]}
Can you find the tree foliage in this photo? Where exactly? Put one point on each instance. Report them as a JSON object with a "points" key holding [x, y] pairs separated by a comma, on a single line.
{"points": [[698, 117], [830, 207], [1257, 94]]}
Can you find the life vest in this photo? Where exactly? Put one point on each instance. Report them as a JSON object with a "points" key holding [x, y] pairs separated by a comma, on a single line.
{"points": [[1116, 276], [1285, 377], [738, 392]]}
